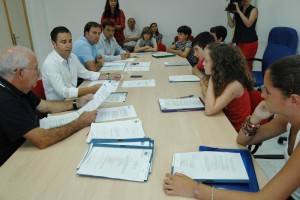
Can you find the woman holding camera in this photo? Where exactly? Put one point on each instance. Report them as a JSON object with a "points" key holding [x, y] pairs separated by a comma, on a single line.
{"points": [[244, 21]]}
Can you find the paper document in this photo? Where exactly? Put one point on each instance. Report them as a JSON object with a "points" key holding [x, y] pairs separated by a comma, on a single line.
{"points": [[162, 54], [118, 163], [115, 83], [117, 130], [115, 113], [124, 61], [99, 97], [58, 120], [211, 166], [139, 83], [168, 105], [116, 97], [176, 63], [184, 78]]}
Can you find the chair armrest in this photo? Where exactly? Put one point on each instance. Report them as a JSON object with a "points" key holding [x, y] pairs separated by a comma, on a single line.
{"points": [[256, 59]]}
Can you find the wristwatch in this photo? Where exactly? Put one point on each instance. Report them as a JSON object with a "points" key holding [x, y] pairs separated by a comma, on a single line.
{"points": [[74, 104], [107, 76]]}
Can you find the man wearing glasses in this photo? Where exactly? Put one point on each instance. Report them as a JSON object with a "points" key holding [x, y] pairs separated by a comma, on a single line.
{"points": [[19, 72]]}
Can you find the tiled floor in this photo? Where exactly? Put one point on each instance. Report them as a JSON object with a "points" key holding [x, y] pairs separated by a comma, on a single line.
{"points": [[271, 167]]}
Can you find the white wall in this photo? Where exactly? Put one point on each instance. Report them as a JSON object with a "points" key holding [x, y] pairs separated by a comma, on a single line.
{"points": [[200, 15], [44, 15]]}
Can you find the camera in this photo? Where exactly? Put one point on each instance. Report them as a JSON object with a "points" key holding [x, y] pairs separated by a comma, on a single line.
{"points": [[231, 6]]}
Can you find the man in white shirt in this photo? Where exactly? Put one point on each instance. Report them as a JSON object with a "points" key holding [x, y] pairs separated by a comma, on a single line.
{"points": [[61, 69], [108, 46], [132, 35]]}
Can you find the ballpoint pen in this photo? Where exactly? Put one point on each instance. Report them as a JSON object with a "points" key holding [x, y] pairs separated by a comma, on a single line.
{"points": [[188, 96]]}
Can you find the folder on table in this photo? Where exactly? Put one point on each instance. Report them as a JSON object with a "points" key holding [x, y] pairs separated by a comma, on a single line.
{"points": [[180, 104], [176, 63], [252, 185], [163, 55]]}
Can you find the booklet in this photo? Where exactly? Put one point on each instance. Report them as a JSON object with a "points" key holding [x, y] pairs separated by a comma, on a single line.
{"points": [[180, 104], [184, 78], [163, 55], [176, 63], [209, 166]]}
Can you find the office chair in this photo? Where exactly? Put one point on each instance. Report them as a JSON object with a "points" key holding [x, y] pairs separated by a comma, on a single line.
{"points": [[255, 99], [191, 38], [282, 41], [161, 47], [39, 91]]}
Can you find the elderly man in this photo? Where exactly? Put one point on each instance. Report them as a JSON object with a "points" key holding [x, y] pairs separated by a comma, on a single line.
{"points": [[108, 46], [132, 35], [85, 47], [61, 69], [18, 117]]}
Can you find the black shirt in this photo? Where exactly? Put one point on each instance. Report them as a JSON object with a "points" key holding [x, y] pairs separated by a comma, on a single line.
{"points": [[243, 34], [17, 117]]}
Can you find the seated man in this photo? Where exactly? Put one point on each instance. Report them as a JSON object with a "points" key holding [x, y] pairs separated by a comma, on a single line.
{"points": [[108, 46], [132, 35], [19, 72], [61, 69], [85, 47], [219, 33], [183, 47]]}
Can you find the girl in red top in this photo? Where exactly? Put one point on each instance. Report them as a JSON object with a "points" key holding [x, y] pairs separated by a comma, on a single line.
{"points": [[229, 83], [116, 15]]}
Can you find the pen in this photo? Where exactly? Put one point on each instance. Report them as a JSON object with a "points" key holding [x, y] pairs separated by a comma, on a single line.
{"points": [[135, 63], [189, 96]]}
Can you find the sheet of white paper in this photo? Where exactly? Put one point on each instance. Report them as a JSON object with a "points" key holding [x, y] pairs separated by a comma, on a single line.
{"points": [[113, 82], [53, 121], [116, 97], [99, 97], [124, 61], [115, 113], [176, 63], [210, 165], [139, 83], [133, 68], [184, 78], [181, 103], [116, 130], [117, 163]]}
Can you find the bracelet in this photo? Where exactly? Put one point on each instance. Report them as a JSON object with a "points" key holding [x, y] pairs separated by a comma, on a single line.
{"points": [[249, 129], [196, 192], [107, 76], [212, 193], [74, 104]]}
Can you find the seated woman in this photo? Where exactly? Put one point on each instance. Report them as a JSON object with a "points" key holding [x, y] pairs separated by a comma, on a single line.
{"points": [[146, 43], [282, 96], [155, 33], [229, 83]]}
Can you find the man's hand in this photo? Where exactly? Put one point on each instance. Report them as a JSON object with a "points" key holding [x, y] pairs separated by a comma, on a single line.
{"points": [[99, 60], [115, 76], [83, 100], [87, 117], [123, 56]]}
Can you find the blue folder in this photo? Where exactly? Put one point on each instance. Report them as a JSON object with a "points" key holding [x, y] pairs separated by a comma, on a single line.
{"points": [[252, 186]]}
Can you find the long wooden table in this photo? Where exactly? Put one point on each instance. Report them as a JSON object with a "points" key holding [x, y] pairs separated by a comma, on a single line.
{"points": [[50, 173]]}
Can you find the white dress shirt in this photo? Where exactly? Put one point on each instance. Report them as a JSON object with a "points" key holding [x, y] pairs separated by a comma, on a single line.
{"points": [[128, 33], [60, 76], [109, 49]]}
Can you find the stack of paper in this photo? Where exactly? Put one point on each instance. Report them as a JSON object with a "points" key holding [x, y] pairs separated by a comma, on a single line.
{"points": [[208, 166], [184, 78], [176, 63], [138, 66], [128, 159], [112, 66], [116, 130], [181, 104]]}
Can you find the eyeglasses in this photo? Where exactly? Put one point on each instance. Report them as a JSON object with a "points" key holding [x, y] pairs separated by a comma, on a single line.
{"points": [[36, 68]]}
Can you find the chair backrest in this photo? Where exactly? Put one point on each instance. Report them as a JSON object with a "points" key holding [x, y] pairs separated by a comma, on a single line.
{"points": [[38, 90], [282, 41], [161, 47]]}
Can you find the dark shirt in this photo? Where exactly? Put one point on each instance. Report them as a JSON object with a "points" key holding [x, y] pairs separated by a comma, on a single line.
{"points": [[17, 117], [243, 34]]}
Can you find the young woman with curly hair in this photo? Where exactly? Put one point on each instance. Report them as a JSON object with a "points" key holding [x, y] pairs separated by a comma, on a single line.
{"points": [[229, 83]]}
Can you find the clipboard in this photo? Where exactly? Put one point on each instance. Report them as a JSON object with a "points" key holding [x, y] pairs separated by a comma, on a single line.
{"points": [[252, 186]]}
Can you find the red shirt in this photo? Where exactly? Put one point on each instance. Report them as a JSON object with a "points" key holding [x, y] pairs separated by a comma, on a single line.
{"points": [[200, 65], [119, 21], [238, 110]]}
